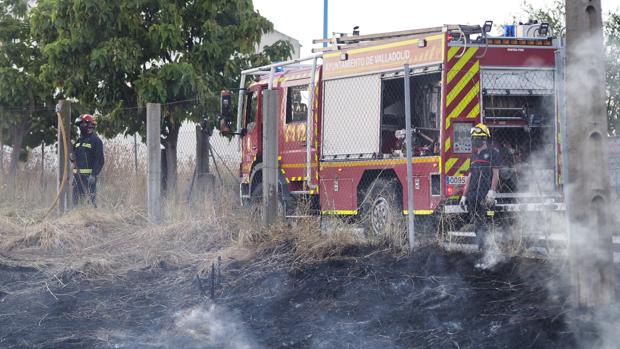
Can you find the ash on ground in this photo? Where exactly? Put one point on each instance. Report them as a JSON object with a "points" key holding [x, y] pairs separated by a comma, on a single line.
{"points": [[365, 298]]}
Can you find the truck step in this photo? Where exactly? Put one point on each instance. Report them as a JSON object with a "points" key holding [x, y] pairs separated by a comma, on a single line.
{"points": [[553, 245]]}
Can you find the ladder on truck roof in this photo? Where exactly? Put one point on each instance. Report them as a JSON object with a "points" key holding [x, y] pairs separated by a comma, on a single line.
{"points": [[345, 40]]}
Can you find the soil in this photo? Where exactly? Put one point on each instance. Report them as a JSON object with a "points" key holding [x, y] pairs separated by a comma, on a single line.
{"points": [[365, 298]]}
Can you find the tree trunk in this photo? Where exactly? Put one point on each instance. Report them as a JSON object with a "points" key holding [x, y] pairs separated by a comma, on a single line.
{"points": [[19, 131]]}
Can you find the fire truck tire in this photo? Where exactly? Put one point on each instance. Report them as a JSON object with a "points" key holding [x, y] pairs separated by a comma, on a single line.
{"points": [[382, 210], [256, 201]]}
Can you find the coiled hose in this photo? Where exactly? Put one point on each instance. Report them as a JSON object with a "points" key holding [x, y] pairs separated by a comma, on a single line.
{"points": [[63, 183]]}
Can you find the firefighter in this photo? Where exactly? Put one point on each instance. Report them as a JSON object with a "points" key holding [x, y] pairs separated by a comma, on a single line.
{"points": [[479, 194], [87, 158]]}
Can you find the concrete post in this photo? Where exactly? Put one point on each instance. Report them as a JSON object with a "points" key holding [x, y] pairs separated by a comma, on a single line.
{"points": [[204, 179], [63, 110], [590, 243], [153, 132], [270, 156], [409, 142]]}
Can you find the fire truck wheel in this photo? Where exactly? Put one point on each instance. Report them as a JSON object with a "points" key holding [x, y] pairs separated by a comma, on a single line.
{"points": [[383, 211], [256, 201]]}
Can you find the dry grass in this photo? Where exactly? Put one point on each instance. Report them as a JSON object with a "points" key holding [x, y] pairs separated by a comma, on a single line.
{"points": [[117, 237]]}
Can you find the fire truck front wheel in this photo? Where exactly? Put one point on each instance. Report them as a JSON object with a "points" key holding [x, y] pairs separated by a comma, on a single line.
{"points": [[382, 210], [256, 201]]}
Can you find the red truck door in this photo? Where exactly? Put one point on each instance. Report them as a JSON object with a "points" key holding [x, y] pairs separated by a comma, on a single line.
{"points": [[252, 141], [293, 134]]}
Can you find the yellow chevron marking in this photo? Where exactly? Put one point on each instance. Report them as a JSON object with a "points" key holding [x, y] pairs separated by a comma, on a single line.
{"points": [[452, 51], [463, 168], [461, 84], [463, 103], [461, 62], [450, 163], [474, 111], [448, 144]]}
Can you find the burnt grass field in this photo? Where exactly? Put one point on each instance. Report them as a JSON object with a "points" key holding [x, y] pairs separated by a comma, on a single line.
{"points": [[365, 297]]}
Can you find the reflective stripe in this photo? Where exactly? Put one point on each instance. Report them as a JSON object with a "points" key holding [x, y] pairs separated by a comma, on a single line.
{"points": [[83, 170], [340, 212]]}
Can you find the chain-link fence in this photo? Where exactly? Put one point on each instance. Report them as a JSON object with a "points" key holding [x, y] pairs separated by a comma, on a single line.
{"points": [[122, 183]]}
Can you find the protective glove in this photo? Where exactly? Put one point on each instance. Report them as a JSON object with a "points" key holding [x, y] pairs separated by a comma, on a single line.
{"points": [[490, 199], [92, 180], [463, 203], [72, 157]]}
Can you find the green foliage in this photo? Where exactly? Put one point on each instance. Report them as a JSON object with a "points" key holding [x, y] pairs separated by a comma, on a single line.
{"points": [[23, 96], [115, 54], [553, 14], [612, 41]]}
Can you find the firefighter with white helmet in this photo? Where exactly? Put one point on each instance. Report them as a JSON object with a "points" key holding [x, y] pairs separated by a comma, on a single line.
{"points": [[87, 158], [480, 185]]}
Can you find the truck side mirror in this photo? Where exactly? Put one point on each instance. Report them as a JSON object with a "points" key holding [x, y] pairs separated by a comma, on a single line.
{"points": [[224, 127], [225, 112]]}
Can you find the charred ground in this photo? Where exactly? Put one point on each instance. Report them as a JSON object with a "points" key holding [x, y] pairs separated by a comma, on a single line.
{"points": [[363, 297]]}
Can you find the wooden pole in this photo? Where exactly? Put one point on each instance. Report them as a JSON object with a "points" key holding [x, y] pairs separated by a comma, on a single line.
{"points": [[270, 156], [588, 200], [153, 132]]}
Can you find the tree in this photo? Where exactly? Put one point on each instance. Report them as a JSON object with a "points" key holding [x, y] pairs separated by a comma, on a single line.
{"points": [[111, 55], [23, 97], [554, 15]]}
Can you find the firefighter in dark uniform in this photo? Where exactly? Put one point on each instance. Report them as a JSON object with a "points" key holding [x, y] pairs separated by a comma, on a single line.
{"points": [[480, 185], [88, 160]]}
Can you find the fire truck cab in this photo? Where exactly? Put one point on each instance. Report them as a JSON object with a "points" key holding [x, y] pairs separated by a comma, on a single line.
{"points": [[342, 121]]}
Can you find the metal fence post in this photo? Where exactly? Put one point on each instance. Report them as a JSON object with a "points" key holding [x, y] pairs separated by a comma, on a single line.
{"points": [[590, 243], [409, 145], [270, 156], [153, 132], [135, 154], [63, 110]]}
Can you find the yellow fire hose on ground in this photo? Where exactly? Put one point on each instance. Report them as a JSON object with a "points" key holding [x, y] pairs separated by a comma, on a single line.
{"points": [[63, 182]]}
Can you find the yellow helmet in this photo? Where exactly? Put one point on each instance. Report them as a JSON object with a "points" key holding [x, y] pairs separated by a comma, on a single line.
{"points": [[480, 130]]}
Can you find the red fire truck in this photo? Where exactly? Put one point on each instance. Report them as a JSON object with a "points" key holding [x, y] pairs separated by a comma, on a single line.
{"points": [[342, 121]]}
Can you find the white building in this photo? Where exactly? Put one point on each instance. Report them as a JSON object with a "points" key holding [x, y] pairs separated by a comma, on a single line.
{"points": [[270, 38]]}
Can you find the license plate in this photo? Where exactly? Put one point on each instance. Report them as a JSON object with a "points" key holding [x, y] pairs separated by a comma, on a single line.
{"points": [[456, 180]]}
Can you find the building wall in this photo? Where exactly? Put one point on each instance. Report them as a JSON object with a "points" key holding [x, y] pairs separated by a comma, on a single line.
{"points": [[270, 38]]}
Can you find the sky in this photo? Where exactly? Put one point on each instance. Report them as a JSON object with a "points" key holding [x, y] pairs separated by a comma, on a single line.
{"points": [[303, 19]]}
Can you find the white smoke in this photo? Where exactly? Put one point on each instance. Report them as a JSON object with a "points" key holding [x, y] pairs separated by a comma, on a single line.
{"points": [[210, 327]]}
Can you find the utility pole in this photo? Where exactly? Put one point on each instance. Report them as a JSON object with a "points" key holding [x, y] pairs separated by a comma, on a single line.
{"points": [[325, 11], [588, 200], [270, 156], [63, 111], [153, 144]]}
